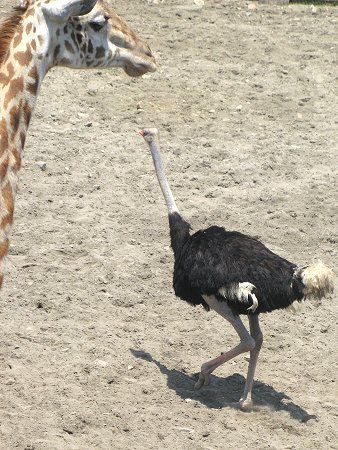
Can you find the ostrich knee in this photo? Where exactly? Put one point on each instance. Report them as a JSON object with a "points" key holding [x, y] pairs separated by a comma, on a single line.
{"points": [[248, 344]]}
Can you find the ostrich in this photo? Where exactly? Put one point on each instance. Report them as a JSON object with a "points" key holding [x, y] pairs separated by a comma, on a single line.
{"points": [[233, 274]]}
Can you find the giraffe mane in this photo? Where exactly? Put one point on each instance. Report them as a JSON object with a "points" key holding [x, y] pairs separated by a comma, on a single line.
{"points": [[8, 28]]}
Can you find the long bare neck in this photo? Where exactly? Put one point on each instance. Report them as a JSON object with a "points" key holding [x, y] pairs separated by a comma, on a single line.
{"points": [[162, 179], [179, 228]]}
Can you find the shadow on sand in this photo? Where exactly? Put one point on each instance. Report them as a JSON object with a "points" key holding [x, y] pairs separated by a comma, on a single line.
{"points": [[225, 392]]}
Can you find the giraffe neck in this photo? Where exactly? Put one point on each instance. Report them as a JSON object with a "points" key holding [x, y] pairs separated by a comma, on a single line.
{"points": [[21, 74]]}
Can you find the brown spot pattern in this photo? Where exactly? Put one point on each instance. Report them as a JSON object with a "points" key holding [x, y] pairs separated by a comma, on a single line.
{"points": [[56, 51], [17, 39], [27, 113], [8, 29], [29, 28], [3, 168], [14, 118], [17, 156], [22, 139], [3, 248], [10, 70], [24, 58], [3, 79], [69, 47], [8, 197], [100, 52], [3, 136], [32, 87], [16, 85]]}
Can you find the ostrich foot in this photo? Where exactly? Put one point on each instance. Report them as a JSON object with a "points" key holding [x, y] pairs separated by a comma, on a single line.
{"points": [[245, 404], [203, 380]]}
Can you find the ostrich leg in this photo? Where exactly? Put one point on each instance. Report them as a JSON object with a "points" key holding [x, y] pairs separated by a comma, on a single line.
{"points": [[246, 344], [245, 401]]}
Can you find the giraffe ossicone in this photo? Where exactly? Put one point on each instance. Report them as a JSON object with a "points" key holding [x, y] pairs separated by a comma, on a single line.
{"points": [[41, 34]]}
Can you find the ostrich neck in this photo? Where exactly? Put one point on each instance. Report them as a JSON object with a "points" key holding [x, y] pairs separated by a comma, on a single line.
{"points": [[179, 228], [158, 163]]}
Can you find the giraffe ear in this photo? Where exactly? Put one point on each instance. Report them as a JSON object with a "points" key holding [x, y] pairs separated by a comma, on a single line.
{"points": [[61, 10]]}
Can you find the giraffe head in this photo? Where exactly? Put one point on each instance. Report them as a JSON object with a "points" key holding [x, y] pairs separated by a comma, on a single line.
{"points": [[86, 33]]}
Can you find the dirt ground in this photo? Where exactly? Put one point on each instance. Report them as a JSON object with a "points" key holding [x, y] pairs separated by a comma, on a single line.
{"points": [[96, 352]]}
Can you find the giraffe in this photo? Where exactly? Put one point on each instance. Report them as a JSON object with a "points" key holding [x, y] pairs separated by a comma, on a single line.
{"points": [[41, 34]]}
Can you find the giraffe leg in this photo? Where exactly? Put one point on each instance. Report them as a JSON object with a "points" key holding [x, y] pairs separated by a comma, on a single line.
{"points": [[245, 401], [246, 344]]}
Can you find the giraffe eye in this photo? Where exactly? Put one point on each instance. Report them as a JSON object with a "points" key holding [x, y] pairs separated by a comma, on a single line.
{"points": [[99, 23], [96, 26]]}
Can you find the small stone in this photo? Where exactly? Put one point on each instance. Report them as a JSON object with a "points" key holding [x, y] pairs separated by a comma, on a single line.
{"points": [[252, 6], [229, 426], [188, 9], [42, 165], [187, 430], [103, 279], [239, 108], [311, 422], [101, 363], [206, 433], [313, 9], [130, 367], [10, 381], [188, 400], [274, 2], [199, 3], [88, 124]]}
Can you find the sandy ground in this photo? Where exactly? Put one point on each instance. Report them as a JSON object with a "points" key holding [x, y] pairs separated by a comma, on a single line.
{"points": [[96, 352]]}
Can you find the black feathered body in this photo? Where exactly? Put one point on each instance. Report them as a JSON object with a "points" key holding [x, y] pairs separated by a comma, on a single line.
{"points": [[214, 259]]}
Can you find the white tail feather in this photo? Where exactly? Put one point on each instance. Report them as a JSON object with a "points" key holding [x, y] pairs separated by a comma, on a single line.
{"points": [[242, 291]]}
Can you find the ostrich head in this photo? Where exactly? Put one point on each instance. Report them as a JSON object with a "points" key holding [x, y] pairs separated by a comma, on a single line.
{"points": [[149, 134]]}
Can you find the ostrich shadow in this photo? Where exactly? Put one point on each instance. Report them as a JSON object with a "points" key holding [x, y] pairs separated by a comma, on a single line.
{"points": [[225, 392]]}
